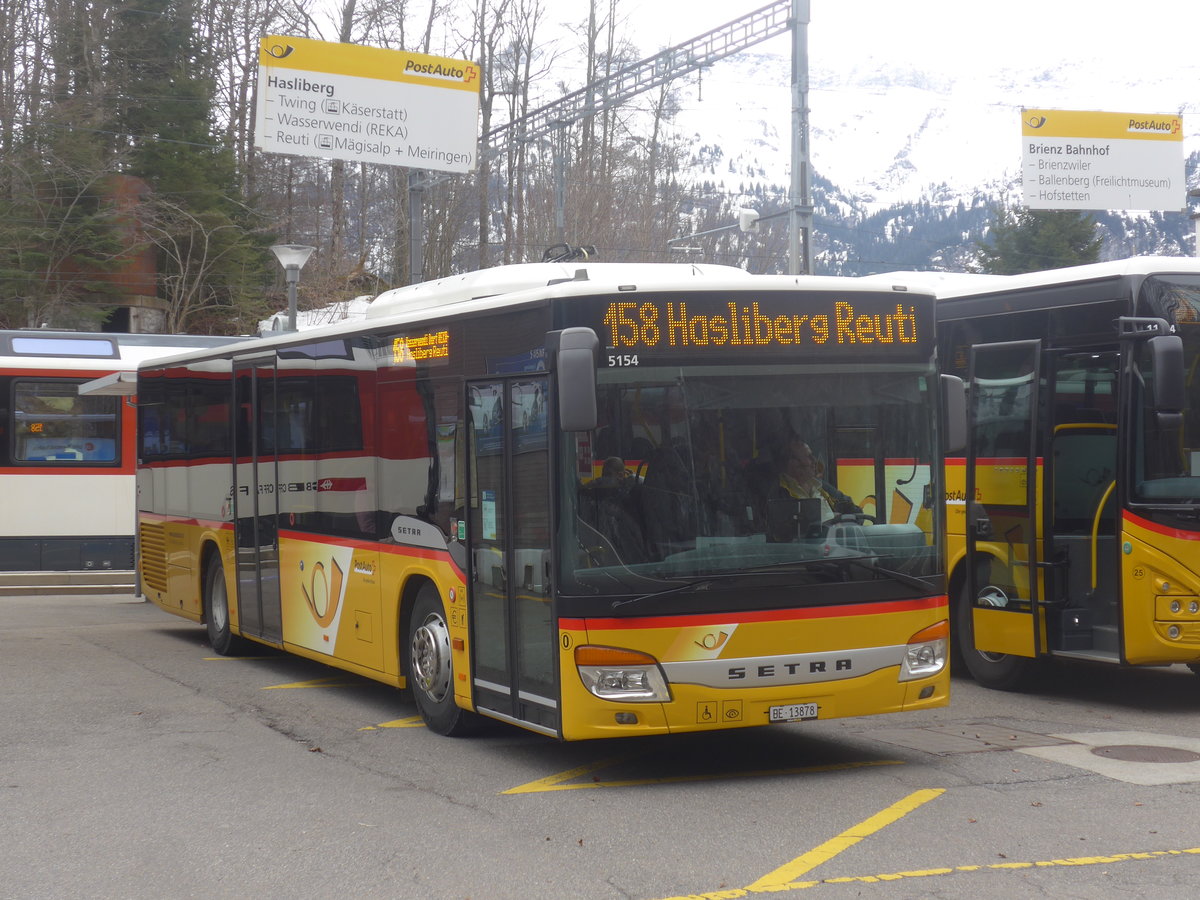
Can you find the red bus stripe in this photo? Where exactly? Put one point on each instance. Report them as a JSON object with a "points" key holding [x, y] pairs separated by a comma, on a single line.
{"points": [[766, 615], [1164, 530]]}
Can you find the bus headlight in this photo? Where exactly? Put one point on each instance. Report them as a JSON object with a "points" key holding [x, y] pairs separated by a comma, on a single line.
{"points": [[925, 653], [626, 675]]}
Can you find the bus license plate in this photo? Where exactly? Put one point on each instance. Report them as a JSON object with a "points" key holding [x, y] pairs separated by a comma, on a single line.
{"points": [[794, 712]]}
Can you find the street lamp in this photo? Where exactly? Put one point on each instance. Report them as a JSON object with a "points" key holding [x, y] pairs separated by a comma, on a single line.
{"points": [[292, 257]]}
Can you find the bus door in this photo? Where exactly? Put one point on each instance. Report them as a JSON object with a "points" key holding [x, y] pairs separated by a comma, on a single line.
{"points": [[1082, 525], [1002, 497], [511, 615], [256, 533]]}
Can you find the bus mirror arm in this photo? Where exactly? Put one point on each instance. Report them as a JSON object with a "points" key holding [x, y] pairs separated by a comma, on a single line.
{"points": [[573, 354], [954, 413]]}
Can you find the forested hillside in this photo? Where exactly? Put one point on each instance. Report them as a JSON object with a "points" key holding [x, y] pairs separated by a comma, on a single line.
{"points": [[126, 135]]}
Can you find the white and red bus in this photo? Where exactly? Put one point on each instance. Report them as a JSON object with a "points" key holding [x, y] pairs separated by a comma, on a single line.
{"points": [[67, 460]]}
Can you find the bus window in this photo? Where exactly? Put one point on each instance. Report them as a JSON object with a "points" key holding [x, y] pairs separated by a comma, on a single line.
{"points": [[55, 424], [1084, 444], [684, 475]]}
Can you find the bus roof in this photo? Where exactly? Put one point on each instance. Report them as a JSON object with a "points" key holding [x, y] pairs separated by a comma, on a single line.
{"points": [[516, 281], [505, 280], [42, 348], [490, 289], [950, 285]]}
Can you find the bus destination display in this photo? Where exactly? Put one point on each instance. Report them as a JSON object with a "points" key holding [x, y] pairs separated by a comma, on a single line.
{"points": [[870, 326]]}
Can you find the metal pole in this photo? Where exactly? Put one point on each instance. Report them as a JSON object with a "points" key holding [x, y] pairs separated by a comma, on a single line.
{"points": [[292, 274], [560, 183], [416, 226], [1194, 194], [800, 233]]}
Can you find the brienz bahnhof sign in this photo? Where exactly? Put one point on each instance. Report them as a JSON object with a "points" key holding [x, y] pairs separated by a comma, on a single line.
{"points": [[1102, 160]]}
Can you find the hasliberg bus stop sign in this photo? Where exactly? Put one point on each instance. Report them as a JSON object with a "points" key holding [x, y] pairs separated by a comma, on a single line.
{"points": [[1101, 160], [366, 104]]}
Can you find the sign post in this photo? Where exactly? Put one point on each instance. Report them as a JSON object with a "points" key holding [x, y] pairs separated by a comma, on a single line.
{"points": [[367, 104], [1101, 160]]}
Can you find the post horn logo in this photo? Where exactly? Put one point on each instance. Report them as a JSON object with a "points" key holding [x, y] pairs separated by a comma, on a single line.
{"points": [[1035, 121], [281, 52], [712, 640], [325, 593]]}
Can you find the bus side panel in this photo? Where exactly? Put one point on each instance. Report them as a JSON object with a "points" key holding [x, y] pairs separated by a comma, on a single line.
{"points": [[330, 596], [342, 602], [80, 503], [725, 671], [1160, 584]]}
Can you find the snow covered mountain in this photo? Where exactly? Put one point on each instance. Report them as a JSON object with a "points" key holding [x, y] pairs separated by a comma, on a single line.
{"points": [[896, 139]]}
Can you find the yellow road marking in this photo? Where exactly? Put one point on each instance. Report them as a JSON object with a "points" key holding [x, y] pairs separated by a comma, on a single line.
{"points": [[790, 872], [735, 893], [408, 722], [557, 782], [334, 681]]}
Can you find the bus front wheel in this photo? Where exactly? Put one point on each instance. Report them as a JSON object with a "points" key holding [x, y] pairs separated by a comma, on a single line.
{"points": [[430, 672], [998, 671], [216, 609]]}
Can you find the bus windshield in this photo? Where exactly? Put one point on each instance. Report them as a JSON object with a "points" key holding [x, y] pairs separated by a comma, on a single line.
{"points": [[1167, 459], [705, 472]]}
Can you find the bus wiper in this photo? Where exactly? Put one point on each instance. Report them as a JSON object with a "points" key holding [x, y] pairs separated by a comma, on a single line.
{"points": [[862, 561], [699, 583], [675, 589], [903, 577]]}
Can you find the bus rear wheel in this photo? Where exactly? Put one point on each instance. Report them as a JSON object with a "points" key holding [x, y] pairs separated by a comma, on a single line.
{"points": [[998, 671], [216, 609], [430, 670]]}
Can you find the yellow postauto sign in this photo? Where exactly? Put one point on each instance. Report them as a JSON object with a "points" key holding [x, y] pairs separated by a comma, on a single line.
{"points": [[367, 104], [1075, 159]]}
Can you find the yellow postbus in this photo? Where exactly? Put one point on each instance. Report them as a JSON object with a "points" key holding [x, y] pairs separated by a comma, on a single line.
{"points": [[1074, 515], [553, 495]]}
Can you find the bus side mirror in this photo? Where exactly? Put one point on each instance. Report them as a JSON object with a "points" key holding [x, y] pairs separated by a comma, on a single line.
{"points": [[573, 353], [954, 413], [1166, 358]]}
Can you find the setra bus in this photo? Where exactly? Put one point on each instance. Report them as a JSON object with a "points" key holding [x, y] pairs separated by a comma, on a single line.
{"points": [[1074, 515], [550, 494], [67, 460]]}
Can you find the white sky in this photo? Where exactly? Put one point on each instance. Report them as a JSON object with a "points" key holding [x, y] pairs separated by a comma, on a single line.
{"points": [[988, 61], [1140, 40], [950, 34]]}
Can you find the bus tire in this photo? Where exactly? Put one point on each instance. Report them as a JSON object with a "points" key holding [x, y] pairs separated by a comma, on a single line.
{"points": [[216, 609], [430, 672], [998, 671]]}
